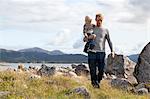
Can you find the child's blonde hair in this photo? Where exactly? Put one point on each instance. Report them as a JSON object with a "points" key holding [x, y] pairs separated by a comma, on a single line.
{"points": [[88, 19]]}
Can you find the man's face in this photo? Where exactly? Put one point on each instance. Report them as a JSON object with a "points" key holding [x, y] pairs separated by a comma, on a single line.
{"points": [[99, 20]]}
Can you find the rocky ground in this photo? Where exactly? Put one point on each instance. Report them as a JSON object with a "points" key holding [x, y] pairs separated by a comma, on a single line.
{"points": [[123, 79]]}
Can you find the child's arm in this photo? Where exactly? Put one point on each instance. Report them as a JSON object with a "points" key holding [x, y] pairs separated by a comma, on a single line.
{"points": [[84, 31], [92, 36]]}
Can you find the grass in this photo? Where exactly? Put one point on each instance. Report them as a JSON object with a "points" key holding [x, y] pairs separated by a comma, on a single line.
{"points": [[21, 87]]}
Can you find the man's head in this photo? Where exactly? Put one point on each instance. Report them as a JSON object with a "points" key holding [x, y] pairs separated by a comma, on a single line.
{"points": [[88, 20], [99, 19]]}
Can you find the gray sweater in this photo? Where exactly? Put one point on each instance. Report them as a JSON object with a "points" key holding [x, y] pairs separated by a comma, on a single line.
{"points": [[102, 35]]}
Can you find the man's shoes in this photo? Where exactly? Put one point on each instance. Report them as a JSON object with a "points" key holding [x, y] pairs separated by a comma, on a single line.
{"points": [[95, 85]]}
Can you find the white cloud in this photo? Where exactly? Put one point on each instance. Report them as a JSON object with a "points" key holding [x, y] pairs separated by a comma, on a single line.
{"points": [[78, 44], [62, 38], [139, 11], [64, 20]]}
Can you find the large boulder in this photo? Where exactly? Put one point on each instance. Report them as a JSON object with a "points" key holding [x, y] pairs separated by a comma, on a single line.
{"points": [[142, 68], [142, 91], [73, 66], [120, 66], [81, 91], [4, 93], [141, 88], [121, 83], [82, 69], [46, 70]]}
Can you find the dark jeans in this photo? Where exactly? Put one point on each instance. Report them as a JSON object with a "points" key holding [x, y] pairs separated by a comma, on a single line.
{"points": [[89, 45], [96, 60]]}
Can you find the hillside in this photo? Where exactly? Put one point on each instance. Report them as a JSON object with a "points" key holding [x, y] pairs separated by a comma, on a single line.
{"points": [[40, 55], [134, 57]]}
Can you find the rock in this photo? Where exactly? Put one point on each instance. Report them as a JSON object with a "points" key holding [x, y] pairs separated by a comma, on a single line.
{"points": [[51, 82], [73, 74], [21, 67], [63, 70], [110, 77], [115, 66], [81, 91], [142, 68], [148, 87], [70, 74], [66, 74], [121, 83], [120, 66], [73, 66], [142, 85], [3, 93], [46, 71], [33, 76], [1, 80], [132, 80], [142, 91], [139, 86], [31, 67], [67, 68], [82, 69]]}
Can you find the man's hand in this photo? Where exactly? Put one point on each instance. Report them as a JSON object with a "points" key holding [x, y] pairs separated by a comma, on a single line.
{"points": [[113, 54]]}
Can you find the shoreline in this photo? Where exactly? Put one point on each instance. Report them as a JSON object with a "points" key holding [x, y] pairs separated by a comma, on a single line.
{"points": [[5, 66]]}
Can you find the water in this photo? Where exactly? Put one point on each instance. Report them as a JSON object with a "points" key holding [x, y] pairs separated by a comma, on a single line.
{"points": [[4, 66]]}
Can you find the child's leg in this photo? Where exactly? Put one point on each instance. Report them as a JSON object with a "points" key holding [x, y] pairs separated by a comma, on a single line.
{"points": [[86, 47], [91, 44]]}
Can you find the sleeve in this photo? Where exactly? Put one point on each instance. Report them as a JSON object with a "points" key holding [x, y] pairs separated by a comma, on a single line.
{"points": [[93, 26], [109, 41], [84, 29]]}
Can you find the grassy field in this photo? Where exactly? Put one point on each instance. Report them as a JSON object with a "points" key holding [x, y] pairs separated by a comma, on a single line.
{"points": [[20, 86]]}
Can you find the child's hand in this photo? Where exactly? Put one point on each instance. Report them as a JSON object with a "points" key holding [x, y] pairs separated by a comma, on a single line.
{"points": [[85, 39], [86, 35], [92, 37]]}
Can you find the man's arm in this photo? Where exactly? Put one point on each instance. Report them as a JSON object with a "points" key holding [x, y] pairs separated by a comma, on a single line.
{"points": [[109, 41], [110, 44]]}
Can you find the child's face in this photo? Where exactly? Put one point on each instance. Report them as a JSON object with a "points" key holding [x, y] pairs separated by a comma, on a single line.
{"points": [[88, 21]]}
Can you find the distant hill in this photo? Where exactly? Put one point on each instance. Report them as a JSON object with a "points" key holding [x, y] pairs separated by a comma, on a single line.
{"points": [[37, 49], [134, 57], [40, 55]]}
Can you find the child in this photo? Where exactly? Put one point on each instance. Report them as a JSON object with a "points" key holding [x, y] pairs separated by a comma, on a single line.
{"points": [[88, 35]]}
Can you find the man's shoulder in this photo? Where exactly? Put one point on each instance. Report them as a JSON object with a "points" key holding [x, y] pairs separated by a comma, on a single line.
{"points": [[103, 28]]}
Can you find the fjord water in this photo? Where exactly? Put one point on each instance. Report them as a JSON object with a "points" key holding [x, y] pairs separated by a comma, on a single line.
{"points": [[4, 66]]}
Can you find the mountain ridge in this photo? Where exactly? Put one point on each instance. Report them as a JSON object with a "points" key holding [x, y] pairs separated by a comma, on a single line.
{"points": [[40, 55], [37, 49]]}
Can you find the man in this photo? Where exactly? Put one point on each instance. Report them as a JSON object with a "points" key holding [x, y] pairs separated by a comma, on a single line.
{"points": [[97, 59]]}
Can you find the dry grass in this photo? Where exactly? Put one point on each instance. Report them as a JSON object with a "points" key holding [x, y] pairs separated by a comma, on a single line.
{"points": [[21, 87]]}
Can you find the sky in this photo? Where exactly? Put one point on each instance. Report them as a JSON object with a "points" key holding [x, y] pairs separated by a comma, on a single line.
{"points": [[58, 24]]}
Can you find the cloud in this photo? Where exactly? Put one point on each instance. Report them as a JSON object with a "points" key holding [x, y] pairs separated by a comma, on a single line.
{"points": [[78, 44], [33, 10], [139, 11], [138, 48], [62, 38], [59, 22]]}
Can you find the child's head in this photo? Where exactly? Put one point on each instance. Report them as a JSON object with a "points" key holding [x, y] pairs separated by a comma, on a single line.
{"points": [[88, 20]]}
